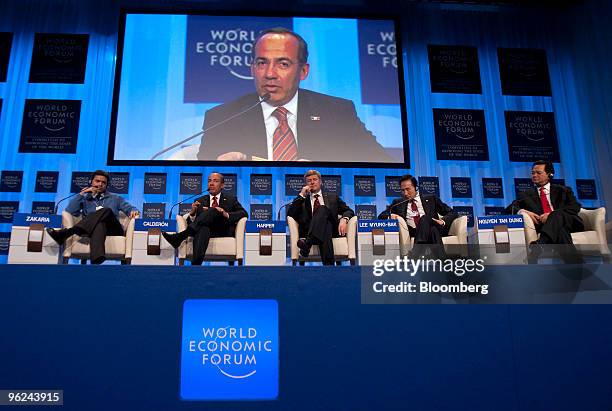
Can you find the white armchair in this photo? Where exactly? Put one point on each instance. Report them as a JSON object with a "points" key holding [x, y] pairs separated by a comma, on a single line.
{"points": [[344, 247], [457, 235], [116, 247], [219, 248], [592, 239]]}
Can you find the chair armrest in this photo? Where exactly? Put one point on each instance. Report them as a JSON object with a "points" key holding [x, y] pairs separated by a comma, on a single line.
{"points": [[595, 220], [530, 230], [181, 225], [404, 235], [351, 236], [68, 221], [240, 229], [459, 229], [294, 236], [129, 237]]}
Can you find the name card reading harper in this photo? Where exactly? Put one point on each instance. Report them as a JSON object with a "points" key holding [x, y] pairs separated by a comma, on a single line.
{"points": [[276, 226]]}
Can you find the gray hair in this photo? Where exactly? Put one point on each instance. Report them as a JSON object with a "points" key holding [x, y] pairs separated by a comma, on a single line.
{"points": [[312, 173]]}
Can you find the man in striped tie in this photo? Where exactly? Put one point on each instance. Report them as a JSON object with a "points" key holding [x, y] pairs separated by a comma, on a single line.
{"points": [[317, 216], [283, 122]]}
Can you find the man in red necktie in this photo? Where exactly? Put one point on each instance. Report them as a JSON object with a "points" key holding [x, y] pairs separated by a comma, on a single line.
{"points": [[552, 207], [213, 215], [317, 216], [428, 218]]}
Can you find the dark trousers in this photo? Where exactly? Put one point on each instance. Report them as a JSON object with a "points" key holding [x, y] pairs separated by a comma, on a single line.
{"points": [[558, 228], [426, 232], [427, 236], [209, 223], [97, 226], [320, 233]]}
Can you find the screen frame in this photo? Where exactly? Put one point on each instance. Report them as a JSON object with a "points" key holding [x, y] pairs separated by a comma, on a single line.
{"points": [[124, 12]]}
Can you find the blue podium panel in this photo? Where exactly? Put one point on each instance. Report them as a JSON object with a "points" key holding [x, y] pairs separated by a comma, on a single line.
{"points": [[254, 241], [142, 239], [371, 247], [21, 234]]}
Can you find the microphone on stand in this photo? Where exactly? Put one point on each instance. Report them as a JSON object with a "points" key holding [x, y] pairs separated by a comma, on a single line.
{"points": [[513, 205], [262, 99], [182, 201], [390, 206], [280, 209], [61, 201]]}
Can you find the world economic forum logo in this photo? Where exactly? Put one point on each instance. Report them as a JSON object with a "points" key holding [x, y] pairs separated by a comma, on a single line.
{"points": [[229, 350]]}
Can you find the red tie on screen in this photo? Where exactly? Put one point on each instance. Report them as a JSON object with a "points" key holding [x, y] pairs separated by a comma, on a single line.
{"points": [[284, 146], [214, 202], [316, 204], [415, 209], [544, 201]]}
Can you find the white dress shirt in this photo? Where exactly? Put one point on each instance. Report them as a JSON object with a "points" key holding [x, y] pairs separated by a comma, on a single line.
{"points": [[271, 122]]}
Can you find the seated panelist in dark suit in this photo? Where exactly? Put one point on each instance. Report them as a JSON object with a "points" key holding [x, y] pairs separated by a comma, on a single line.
{"points": [[213, 215], [99, 209], [552, 207], [317, 216], [290, 123], [422, 213]]}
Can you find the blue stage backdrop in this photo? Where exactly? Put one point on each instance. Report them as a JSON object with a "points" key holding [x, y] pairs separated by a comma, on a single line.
{"points": [[577, 79]]}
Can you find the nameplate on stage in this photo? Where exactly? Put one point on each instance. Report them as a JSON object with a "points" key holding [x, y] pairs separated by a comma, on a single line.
{"points": [[366, 226], [276, 226], [489, 222], [27, 219], [145, 224]]}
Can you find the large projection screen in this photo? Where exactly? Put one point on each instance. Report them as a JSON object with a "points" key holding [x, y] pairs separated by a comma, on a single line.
{"points": [[180, 74]]}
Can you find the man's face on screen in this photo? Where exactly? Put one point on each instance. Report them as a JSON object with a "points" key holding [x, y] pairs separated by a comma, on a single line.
{"points": [[408, 189], [214, 184], [276, 68]]}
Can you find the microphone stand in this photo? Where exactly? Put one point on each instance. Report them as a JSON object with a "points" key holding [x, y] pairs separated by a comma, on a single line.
{"points": [[182, 201], [61, 201], [390, 206], [262, 99]]}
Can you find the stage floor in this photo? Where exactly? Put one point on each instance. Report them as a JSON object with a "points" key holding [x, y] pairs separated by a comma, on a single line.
{"points": [[110, 337]]}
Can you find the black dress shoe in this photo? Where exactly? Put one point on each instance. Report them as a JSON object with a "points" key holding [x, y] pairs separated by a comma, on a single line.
{"points": [[174, 240], [98, 260], [304, 247], [59, 236]]}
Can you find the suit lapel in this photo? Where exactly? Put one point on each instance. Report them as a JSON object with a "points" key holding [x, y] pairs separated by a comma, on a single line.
{"points": [[307, 145], [308, 206], [535, 196], [257, 143], [555, 196], [427, 204]]}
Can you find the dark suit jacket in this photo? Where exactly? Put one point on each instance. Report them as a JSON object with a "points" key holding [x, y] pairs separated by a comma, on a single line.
{"points": [[328, 129], [301, 211], [433, 207], [230, 204], [561, 197]]}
